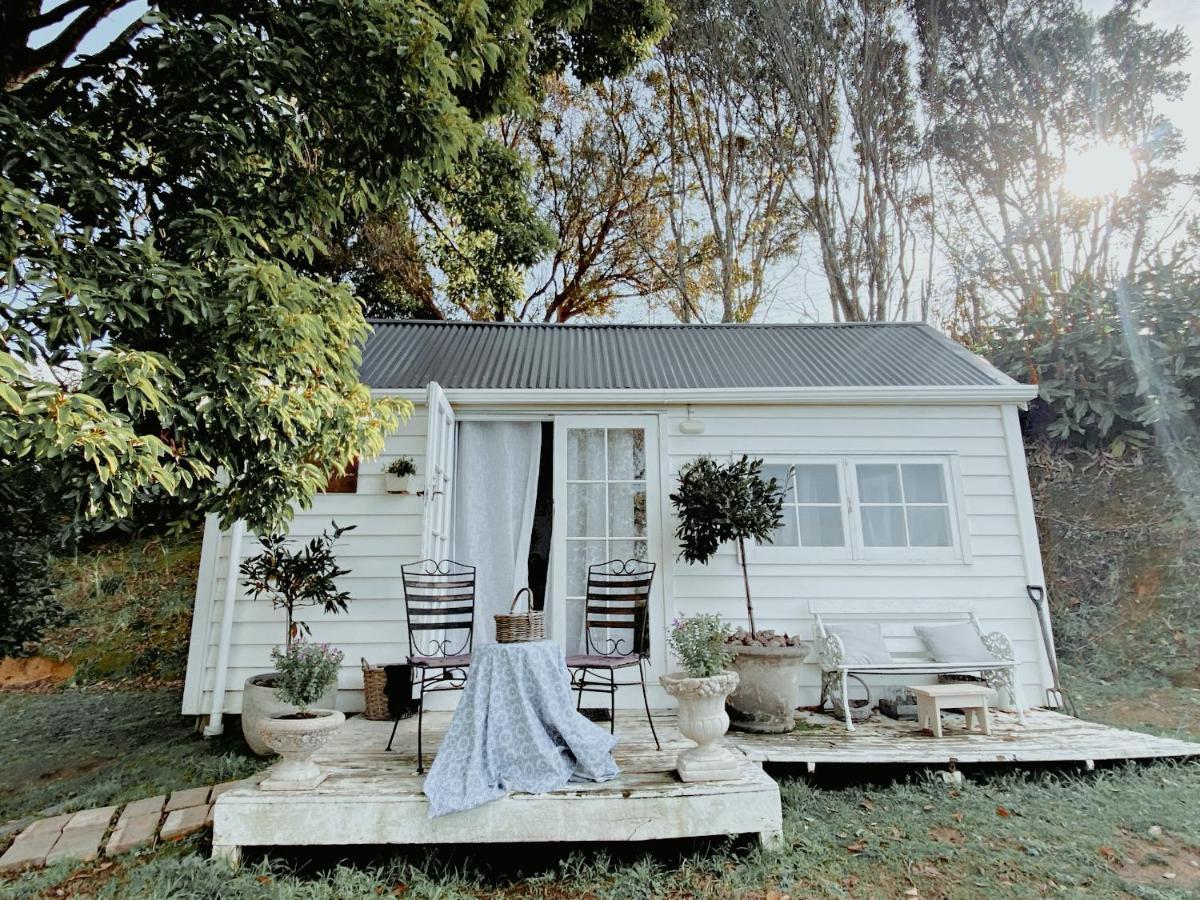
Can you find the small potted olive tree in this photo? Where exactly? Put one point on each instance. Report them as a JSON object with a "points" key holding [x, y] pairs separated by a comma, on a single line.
{"points": [[718, 503], [305, 672], [292, 578], [700, 645], [399, 474]]}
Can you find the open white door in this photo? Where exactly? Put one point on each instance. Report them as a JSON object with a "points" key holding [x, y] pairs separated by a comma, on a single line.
{"points": [[439, 475]]}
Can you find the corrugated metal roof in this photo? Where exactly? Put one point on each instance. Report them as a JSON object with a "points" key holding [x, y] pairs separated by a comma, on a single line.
{"points": [[410, 354]]}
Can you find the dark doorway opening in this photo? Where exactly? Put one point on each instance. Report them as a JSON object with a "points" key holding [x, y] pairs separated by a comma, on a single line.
{"points": [[543, 519]]}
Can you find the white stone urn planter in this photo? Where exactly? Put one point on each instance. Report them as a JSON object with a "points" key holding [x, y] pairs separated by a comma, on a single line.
{"points": [[702, 718], [296, 740], [768, 690], [259, 703], [397, 484]]}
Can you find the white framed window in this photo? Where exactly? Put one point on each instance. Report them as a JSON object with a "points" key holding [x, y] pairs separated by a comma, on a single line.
{"points": [[814, 509], [904, 508], [897, 508]]}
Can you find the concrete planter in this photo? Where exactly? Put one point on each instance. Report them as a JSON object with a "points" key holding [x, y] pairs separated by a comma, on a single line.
{"points": [[768, 689], [296, 740], [702, 718], [259, 703]]}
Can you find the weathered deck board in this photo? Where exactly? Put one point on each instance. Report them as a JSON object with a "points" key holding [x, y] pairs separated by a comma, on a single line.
{"points": [[375, 797]]}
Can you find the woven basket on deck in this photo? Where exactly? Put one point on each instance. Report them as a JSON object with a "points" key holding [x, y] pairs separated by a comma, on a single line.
{"points": [[515, 627], [374, 682]]}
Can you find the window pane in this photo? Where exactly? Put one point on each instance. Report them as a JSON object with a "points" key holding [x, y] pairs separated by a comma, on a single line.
{"points": [[628, 550], [779, 471], [785, 535], [626, 454], [580, 555], [585, 510], [821, 526], [585, 454], [626, 510], [883, 526], [817, 484], [923, 483], [878, 483], [929, 526]]}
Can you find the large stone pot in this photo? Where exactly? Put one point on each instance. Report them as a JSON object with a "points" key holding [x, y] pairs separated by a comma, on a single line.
{"points": [[702, 718], [259, 703], [768, 689], [296, 740]]}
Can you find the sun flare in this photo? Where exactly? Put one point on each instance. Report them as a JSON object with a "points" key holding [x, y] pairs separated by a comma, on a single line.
{"points": [[1098, 171]]}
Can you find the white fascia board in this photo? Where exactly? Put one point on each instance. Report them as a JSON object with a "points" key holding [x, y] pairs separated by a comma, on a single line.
{"points": [[824, 396]]}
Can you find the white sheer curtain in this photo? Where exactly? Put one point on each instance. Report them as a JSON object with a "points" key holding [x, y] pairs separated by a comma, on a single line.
{"points": [[495, 493]]}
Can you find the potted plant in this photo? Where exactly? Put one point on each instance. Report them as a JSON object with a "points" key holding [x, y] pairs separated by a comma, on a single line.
{"points": [[305, 673], [719, 503], [700, 644], [292, 578], [399, 474]]}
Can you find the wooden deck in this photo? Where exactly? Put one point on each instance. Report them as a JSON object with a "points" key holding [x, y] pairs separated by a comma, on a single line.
{"points": [[373, 797]]}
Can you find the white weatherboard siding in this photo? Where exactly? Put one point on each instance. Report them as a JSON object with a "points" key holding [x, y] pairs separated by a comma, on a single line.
{"points": [[388, 534], [989, 483], [992, 579]]}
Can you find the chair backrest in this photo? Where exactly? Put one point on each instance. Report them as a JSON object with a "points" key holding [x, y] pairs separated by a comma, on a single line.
{"points": [[618, 595], [439, 599]]}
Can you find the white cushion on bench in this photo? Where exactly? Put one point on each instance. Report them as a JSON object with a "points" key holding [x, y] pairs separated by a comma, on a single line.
{"points": [[953, 643], [862, 643]]}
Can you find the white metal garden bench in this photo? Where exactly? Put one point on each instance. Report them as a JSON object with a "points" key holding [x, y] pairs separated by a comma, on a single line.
{"points": [[999, 671]]}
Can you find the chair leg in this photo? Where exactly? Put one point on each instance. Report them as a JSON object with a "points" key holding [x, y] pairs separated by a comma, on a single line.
{"points": [[420, 729], [846, 702], [395, 725], [646, 701], [579, 698], [612, 702]]}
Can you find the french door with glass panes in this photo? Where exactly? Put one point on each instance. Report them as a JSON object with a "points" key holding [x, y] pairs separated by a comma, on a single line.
{"points": [[606, 506]]}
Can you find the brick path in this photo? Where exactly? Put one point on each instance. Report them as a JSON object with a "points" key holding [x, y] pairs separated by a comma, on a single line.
{"points": [[84, 835]]}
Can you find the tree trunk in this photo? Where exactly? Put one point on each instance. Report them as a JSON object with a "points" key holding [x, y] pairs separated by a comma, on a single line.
{"points": [[746, 582]]}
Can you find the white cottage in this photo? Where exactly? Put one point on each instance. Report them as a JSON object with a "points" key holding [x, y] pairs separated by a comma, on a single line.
{"points": [[543, 448]]}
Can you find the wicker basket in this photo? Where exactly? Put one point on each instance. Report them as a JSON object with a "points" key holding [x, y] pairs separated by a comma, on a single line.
{"points": [[374, 682], [515, 627]]}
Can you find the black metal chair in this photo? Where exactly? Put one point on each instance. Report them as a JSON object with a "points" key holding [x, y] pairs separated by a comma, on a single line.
{"points": [[439, 599], [618, 600]]}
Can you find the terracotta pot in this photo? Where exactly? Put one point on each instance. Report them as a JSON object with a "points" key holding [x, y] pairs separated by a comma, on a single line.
{"points": [[296, 740], [768, 688], [702, 718], [259, 703]]}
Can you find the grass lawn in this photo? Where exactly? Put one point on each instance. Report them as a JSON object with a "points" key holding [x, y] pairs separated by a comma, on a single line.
{"points": [[1128, 831], [79, 748]]}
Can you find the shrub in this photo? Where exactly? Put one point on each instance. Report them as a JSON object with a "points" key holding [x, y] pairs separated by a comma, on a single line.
{"points": [[699, 642], [298, 578], [306, 671], [402, 466], [28, 530], [1110, 363]]}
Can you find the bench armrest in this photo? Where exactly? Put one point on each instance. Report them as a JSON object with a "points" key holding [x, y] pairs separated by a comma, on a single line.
{"points": [[830, 652], [999, 646]]}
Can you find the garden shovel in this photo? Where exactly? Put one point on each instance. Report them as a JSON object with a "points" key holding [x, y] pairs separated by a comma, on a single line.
{"points": [[1057, 696]]}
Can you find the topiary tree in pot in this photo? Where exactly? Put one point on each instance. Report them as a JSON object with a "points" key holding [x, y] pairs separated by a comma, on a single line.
{"points": [[292, 578], [719, 503]]}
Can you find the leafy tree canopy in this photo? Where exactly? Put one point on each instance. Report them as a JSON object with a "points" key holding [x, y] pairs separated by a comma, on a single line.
{"points": [[168, 207]]}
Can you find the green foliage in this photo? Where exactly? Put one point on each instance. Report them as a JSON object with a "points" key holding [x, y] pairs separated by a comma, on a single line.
{"points": [[699, 642], [165, 216], [721, 502], [293, 579], [306, 671], [1111, 365], [28, 523], [402, 466]]}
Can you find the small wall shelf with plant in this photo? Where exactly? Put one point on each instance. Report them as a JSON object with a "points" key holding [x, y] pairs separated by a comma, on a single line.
{"points": [[398, 476]]}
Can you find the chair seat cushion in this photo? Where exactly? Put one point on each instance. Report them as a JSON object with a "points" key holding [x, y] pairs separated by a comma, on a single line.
{"points": [[862, 642], [440, 662], [596, 661], [953, 643]]}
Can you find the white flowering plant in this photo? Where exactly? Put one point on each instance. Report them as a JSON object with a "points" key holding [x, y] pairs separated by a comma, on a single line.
{"points": [[306, 670], [700, 643]]}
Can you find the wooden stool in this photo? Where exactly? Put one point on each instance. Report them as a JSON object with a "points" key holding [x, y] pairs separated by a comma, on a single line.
{"points": [[972, 699]]}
